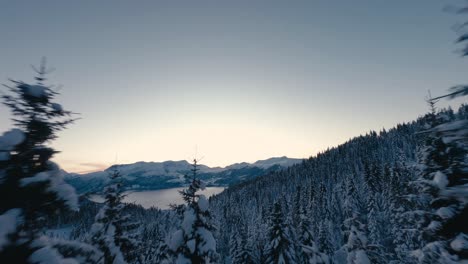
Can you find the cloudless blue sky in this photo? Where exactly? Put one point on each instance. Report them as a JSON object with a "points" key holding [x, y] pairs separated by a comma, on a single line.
{"points": [[241, 80]]}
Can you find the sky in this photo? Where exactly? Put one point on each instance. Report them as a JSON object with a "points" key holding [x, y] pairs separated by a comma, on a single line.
{"points": [[229, 81]]}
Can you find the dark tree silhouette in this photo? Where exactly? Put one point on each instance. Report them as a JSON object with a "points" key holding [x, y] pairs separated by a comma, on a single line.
{"points": [[31, 186]]}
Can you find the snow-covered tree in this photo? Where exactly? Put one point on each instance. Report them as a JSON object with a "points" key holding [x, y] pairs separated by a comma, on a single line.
{"points": [[406, 214], [445, 177], [309, 253], [296, 207], [373, 223], [280, 248], [379, 228], [357, 243], [355, 228], [240, 251], [154, 245], [234, 245], [324, 241], [31, 186], [113, 231], [194, 242]]}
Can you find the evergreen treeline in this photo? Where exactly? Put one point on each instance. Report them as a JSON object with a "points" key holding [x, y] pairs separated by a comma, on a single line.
{"points": [[363, 202]]}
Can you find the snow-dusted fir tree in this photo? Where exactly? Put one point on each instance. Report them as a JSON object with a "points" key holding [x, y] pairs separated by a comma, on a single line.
{"points": [[234, 244], [155, 247], [240, 251], [443, 177], [309, 253], [31, 186], [407, 214], [113, 232], [194, 242], [356, 245], [280, 248], [378, 227], [324, 242]]}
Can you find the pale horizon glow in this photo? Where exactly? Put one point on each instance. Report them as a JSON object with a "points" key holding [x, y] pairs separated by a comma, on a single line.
{"points": [[231, 82]]}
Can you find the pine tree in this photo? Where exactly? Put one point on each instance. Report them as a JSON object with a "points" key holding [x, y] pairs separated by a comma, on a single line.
{"points": [[444, 178], [309, 253], [373, 219], [194, 242], [234, 245], [355, 229], [373, 176], [357, 242], [296, 208], [153, 243], [257, 237], [406, 218], [324, 242], [113, 232], [280, 249], [377, 226], [31, 186], [240, 251]]}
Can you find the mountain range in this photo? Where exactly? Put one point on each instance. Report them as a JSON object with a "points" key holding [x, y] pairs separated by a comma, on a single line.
{"points": [[170, 174]]}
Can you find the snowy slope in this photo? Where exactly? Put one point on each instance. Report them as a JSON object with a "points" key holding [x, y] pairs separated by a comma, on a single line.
{"points": [[170, 174]]}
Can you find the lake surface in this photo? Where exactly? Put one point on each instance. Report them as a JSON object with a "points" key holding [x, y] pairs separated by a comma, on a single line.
{"points": [[160, 198]]}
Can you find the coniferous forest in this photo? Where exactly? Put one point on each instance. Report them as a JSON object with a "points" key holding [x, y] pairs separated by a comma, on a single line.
{"points": [[392, 196]]}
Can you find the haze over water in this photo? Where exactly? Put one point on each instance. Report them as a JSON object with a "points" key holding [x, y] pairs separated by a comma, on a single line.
{"points": [[161, 199]]}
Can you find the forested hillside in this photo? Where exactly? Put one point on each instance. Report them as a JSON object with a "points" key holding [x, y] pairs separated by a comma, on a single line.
{"points": [[361, 196], [360, 202]]}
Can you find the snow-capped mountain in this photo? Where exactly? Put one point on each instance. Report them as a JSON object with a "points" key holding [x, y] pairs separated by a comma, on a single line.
{"points": [[170, 174]]}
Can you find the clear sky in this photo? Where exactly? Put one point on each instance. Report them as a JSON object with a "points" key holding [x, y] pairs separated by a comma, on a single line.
{"points": [[241, 80]]}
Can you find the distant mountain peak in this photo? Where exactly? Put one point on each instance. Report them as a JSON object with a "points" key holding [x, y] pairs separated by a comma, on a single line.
{"points": [[151, 175], [281, 161]]}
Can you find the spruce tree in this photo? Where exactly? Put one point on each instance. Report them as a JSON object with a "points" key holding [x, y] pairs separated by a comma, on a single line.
{"points": [[280, 249], [325, 244], [378, 227], [406, 218], [239, 249], [194, 242], [444, 178], [355, 228], [234, 245], [309, 253], [296, 207], [113, 232], [440, 160], [155, 249], [31, 186], [357, 242]]}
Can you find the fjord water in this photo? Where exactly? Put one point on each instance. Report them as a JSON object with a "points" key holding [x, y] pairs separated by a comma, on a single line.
{"points": [[159, 198]]}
